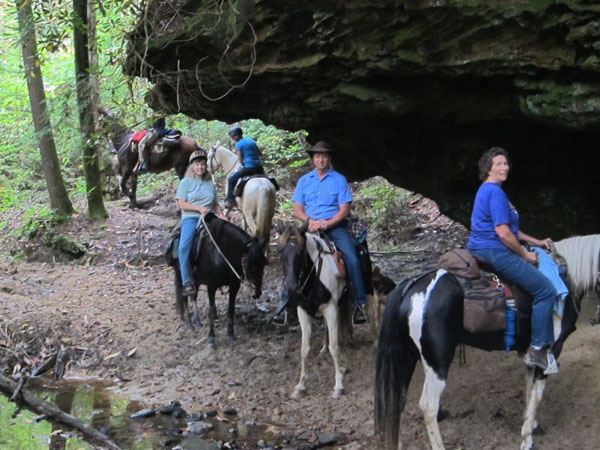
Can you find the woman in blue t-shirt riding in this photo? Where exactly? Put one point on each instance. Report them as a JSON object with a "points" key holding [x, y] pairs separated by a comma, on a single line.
{"points": [[196, 195], [248, 155], [495, 237]]}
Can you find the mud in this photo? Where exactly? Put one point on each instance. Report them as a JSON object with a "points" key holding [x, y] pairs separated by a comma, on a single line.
{"points": [[116, 306]]}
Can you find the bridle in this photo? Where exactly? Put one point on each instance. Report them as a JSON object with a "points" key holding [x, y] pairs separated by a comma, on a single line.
{"points": [[212, 161]]}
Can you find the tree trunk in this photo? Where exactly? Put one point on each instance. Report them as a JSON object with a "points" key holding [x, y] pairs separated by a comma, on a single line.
{"points": [[86, 117], [59, 199]]}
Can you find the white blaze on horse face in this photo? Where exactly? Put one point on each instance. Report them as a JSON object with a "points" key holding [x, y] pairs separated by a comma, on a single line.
{"points": [[327, 276]]}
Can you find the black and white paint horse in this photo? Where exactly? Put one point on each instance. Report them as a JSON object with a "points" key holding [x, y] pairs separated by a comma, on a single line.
{"points": [[313, 286], [227, 255], [426, 323]]}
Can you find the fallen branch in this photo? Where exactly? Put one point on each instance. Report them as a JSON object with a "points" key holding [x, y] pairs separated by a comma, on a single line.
{"points": [[42, 407]]}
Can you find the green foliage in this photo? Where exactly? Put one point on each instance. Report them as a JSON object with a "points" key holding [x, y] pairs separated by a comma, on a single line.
{"points": [[381, 202], [39, 220]]}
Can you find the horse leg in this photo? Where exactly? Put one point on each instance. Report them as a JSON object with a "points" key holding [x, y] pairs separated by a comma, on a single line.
{"points": [[212, 314], [534, 393], [132, 194], [233, 290], [305, 325], [195, 320], [331, 317], [430, 405]]}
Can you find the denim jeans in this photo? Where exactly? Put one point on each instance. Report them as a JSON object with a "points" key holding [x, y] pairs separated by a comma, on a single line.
{"points": [[188, 230], [345, 244], [235, 176], [514, 269]]}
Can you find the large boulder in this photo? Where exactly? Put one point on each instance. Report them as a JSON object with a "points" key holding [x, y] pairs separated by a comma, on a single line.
{"points": [[411, 90]]}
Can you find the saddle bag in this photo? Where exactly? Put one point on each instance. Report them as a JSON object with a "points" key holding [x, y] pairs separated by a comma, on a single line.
{"points": [[339, 262], [171, 250], [460, 262], [484, 308]]}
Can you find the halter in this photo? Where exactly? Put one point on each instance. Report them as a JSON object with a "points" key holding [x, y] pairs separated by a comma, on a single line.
{"points": [[212, 158]]}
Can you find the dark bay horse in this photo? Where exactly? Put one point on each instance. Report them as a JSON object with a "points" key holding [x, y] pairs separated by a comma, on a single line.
{"points": [[227, 256], [120, 137], [313, 286], [426, 323]]}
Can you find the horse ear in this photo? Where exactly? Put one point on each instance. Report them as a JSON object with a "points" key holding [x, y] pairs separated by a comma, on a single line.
{"points": [[304, 228], [280, 227]]}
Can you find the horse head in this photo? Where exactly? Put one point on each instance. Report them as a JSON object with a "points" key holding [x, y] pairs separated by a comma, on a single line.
{"points": [[295, 262], [254, 265]]}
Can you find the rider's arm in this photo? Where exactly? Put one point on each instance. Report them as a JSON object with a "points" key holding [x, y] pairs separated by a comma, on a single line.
{"points": [[240, 156], [300, 212], [341, 215], [533, 241], [508, 238], [184, 205]]}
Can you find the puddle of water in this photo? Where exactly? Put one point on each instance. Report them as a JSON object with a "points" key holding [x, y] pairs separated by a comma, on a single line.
{"points": [[95, 404]]}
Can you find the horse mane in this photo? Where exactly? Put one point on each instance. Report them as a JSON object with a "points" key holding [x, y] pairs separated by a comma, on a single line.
{"points": [[219, 226], [582, 254]]}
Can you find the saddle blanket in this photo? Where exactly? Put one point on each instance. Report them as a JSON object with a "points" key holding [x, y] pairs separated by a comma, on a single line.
{"points": [[318, 247], [137, 137]]}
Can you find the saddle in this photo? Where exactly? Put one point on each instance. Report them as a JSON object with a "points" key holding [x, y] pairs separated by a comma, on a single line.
{"points": [[171, 249], [487, 298], [238, 190]]}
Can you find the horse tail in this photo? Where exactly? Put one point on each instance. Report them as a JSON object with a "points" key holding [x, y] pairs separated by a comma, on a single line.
{"points": [[180, 299], [265, 209], [396, 359]]}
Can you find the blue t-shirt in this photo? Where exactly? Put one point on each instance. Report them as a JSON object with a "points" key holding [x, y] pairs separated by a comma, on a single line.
{"points": [[491, 209], [249, 151], [197, 192], [322, 198]]}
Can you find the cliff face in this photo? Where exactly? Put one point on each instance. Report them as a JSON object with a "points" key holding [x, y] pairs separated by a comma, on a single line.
{"points": [[411, 90]]}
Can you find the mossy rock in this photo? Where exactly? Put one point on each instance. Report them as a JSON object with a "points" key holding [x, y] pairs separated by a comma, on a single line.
{"points": [[63, 244]]}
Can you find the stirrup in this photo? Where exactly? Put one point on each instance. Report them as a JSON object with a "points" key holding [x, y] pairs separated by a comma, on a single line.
{"points": [[276, 321]]}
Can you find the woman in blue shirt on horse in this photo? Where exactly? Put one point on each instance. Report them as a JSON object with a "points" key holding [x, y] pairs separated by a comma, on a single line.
{"points": [[495, 237]]}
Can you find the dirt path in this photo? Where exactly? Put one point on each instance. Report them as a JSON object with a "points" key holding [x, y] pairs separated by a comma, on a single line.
{"points": [[121, 299]]}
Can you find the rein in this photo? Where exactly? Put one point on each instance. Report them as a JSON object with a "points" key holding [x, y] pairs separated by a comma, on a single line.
{"points": [[213, 158], [242, 277], [220, 252]]}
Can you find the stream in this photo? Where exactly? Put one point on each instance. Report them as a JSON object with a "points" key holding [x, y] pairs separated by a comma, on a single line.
{"points": [[99, 405]]}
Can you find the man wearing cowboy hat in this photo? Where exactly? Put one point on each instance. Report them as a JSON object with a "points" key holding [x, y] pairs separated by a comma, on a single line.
{"points": [[323, 198]]}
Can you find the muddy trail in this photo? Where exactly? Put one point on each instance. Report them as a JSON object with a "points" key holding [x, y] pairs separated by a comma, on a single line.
{"points": [[114, 309]]}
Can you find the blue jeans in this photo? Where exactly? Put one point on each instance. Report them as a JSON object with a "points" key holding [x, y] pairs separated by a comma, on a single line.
{"points": [[514, 269], [188, 230], [235, 176], [344, 243]]}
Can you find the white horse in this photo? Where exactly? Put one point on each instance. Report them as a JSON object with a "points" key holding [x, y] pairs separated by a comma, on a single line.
{"points": [[258, 200]]}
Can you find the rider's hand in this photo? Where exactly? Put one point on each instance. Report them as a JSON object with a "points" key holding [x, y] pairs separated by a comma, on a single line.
{"points": [[531, 257], [545, 243], [202, 210]]}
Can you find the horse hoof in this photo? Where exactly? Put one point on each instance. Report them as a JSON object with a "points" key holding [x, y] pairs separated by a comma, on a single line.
{"points": [[211, 343], [337, 393], [299, 393], [527, 443]]}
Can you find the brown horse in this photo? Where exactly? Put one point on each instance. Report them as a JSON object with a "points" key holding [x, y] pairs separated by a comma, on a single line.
{"points": [[120, 137]]}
